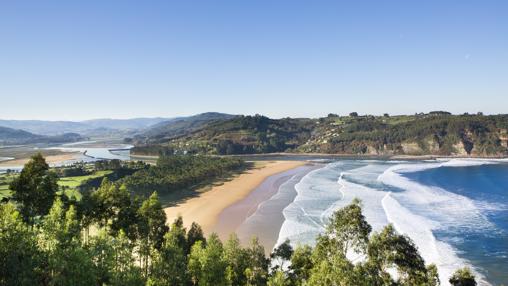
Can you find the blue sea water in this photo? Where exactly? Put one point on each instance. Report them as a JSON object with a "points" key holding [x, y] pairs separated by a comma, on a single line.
{"points": [[456, 211], [487, 186]]}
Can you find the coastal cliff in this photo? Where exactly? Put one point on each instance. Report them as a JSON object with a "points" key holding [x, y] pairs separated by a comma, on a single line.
{"points": [[438, 133]]}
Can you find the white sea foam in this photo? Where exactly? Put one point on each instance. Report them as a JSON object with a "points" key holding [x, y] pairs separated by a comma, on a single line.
{"points": [[320, 193], [416, 211], [449, 209], [303, 221], [419, 229], [432, 208]]}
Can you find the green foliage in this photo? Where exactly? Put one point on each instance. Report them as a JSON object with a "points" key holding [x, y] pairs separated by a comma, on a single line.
{"points": [[388, 249], [463, 277], [34, 189], [170, 262], [152, 150], [176, 173], [281, 254], [348, 229], [349, 232], [194, 235], [5, 181], [20, 256], [278, 279], [207, 266], [237, 261], [74, 170], [109, 201], [152, 221], [437, 133], [243, 135], [68, 262], [151, 229], [113, 260], [257, 272], [301, 265]]}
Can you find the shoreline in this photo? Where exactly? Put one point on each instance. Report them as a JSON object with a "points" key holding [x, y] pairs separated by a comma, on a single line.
{"points": [[261, 214], [305, 156], [206, 208]]}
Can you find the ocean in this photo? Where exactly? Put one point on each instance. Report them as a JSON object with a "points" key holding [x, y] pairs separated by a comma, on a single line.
{"points": [[456, 211]]}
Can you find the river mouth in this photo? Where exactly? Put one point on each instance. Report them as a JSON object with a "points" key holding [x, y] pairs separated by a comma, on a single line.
{"points": [[14, 157]]}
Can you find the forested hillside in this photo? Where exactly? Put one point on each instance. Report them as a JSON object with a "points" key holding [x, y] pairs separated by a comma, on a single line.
{"points": [[179, 126], [436, 133]]}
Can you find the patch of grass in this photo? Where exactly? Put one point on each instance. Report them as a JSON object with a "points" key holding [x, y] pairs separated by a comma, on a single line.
{"points": [[73, 194], [5, 180], [394, 120], [69, 185], [4, 191], [74, 182]]}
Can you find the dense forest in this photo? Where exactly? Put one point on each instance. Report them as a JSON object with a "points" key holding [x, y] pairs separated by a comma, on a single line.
{"points": [[111, 237], [435, 133], [180, 172]]}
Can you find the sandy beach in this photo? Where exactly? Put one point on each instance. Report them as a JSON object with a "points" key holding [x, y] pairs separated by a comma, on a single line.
{"points": [[51, 159], [261, 213], [206, 208]]}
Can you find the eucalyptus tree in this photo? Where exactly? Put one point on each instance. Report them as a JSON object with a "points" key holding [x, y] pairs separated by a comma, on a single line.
{"points": [[463, 277], [281, 254], [169, 266], [35, 188], [257, 272], [301, 265], [236, 259], [68, 262], [20, 257], [194, 234], [207, 265], [151, 229]]}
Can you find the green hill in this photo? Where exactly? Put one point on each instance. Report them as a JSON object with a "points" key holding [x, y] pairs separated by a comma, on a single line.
{"points": [[436, 133], [175, 127]]}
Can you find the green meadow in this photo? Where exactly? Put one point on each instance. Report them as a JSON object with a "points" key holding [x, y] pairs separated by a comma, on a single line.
{"points": [[69, 185]]}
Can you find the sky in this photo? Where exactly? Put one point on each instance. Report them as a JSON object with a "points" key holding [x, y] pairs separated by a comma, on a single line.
{"points": [[76, 60]]}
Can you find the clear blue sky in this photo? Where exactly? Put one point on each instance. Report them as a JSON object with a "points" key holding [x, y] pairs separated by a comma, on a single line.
{"points": [[118, 59]]}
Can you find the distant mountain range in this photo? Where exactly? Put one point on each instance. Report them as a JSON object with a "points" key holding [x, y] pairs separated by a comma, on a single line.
{"points": [[40, 131], [9, 136], [86, 128], [435, 133]]}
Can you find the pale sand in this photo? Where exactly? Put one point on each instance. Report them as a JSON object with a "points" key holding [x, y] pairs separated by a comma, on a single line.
{"points": [[205, 209], [51, 159]]}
